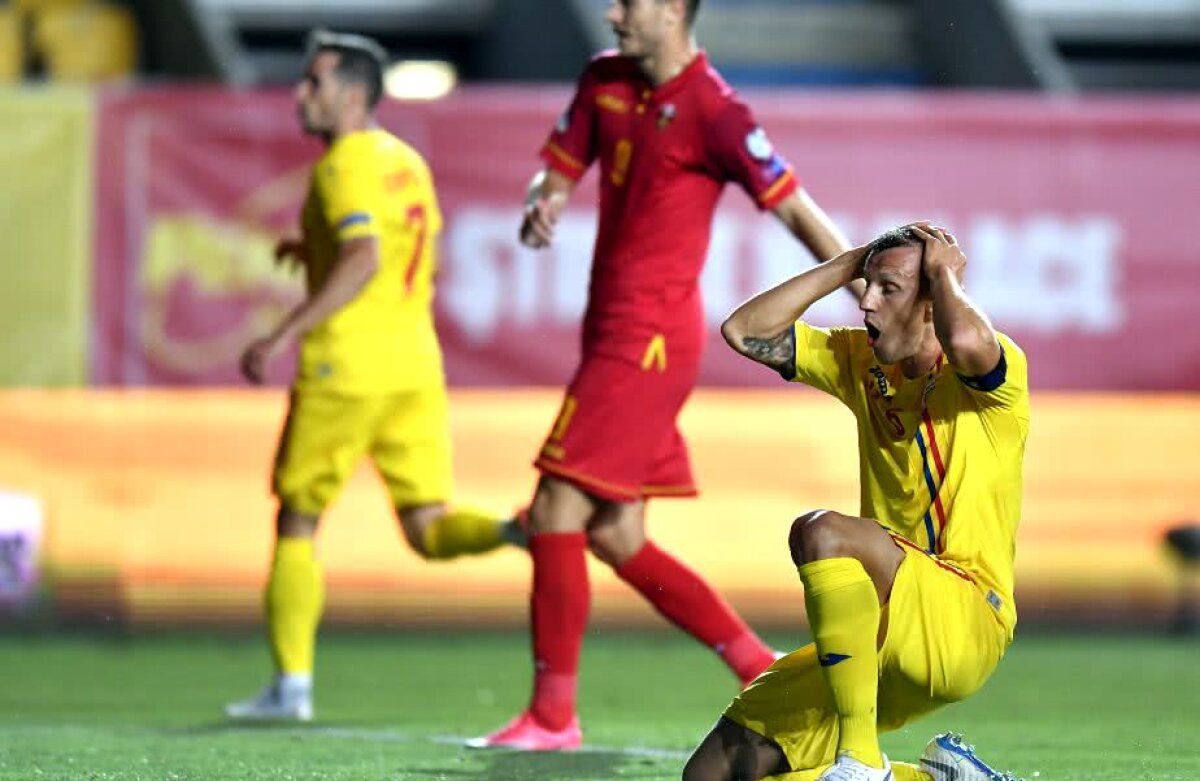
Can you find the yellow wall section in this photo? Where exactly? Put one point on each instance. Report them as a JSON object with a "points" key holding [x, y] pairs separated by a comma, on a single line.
{"points": [[45, 222], [164, 495]]}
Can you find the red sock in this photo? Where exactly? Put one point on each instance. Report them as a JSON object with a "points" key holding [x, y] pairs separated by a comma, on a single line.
{"points": [[684, 599], [559, 612]]}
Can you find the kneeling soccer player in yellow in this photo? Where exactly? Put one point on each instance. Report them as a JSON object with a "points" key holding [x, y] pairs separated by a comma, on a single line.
{"points": [[910, 603], [370, 379]]}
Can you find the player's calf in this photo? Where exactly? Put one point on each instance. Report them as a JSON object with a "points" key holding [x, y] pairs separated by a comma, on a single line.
{"points": [[438, 533]]}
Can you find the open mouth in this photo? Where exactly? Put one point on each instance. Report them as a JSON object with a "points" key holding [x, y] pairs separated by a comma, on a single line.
{"points": [[872, 333]]}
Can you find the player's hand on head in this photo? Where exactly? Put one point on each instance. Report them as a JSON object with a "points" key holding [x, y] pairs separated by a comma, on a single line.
{"points": [[855, 254], [941, 251], [852, 260]]}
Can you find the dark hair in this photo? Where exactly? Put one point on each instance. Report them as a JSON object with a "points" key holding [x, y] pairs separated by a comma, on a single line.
{"points": [[361, 60], [692, 8], [897, 237]]}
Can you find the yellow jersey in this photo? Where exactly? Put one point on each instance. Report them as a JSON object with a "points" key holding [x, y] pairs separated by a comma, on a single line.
{"points": [[940, 456], [370, 183]]}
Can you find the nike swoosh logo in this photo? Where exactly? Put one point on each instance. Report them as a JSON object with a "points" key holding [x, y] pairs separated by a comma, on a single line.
{"points": [[829, 660], [950, 772]]}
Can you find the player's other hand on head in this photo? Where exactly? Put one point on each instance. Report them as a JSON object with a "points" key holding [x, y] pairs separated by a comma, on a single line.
{"points": [[941, 253], [290, 252], [257, 359], [854, 255]]}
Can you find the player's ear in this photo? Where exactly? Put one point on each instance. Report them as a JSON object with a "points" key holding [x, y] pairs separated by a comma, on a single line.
{"points": [[358, 91], [348, 92]]}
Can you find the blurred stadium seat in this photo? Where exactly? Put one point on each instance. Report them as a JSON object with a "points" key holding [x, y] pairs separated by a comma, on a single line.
{"points": [[92, 42], [1117, 44], [850, 43], [1062, 45], [846, 43], [12, 45], [262, 41]]}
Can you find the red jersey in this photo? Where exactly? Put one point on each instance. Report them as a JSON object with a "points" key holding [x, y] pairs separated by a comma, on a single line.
{"points": [[665, 155]]}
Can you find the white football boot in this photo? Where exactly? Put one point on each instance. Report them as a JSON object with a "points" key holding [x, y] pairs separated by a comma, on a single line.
{"points": [[947, 758], [286, 699], [847, 768]]}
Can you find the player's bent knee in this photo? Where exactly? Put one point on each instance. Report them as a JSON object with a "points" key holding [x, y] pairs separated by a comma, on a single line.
{"points": [[602, 548], [820, 534], [612, 546], [797, 533]]}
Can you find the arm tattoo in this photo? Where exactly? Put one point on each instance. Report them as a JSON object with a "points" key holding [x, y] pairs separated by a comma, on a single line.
{"points": [[778, 352]]}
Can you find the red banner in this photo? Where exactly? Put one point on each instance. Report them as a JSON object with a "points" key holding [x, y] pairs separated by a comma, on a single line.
{"points": [[1076, 216]]}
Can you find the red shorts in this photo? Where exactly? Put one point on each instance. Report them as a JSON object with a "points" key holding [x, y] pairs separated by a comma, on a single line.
{"points": [[616, 435]]}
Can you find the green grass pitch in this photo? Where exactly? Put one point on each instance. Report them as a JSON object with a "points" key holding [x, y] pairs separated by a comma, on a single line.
{"points": [[1060, 708]]}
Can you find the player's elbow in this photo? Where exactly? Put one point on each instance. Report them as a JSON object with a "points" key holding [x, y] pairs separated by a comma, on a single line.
{"points": [[972, 353], [733, 331]]}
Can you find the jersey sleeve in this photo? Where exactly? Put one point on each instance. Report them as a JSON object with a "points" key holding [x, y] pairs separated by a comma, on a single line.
{"points": [[571, 147], [823, 359], [1007, 385], [742, 153], [351, 193]]}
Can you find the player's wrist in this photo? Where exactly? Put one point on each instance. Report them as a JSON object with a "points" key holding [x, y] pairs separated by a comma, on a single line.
{"points": [[534, 193], [848, 265], [940, 274]]}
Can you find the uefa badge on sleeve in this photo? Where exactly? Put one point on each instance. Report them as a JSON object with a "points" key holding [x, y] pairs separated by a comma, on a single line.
{"points": [[759, 146]]}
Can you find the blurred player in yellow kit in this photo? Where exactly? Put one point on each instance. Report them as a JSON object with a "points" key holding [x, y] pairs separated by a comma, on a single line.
{"points": [[910, 602], [370, 378]]}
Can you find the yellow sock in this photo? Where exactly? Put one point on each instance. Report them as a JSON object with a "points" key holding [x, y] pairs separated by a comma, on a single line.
{"points": [[906, 772], [295, 594], [462, 531], [843, 612]]}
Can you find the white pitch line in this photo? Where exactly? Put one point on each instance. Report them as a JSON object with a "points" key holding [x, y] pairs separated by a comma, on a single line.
{"points": [[632, 751], [396, 736], [352, 733]]}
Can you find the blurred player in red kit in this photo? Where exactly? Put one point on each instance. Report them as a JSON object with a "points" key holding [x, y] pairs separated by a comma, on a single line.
{"points": [[668, 133]]}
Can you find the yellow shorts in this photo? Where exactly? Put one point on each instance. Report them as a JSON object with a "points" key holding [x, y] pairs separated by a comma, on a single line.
{"points": [[407, 436], [943, 641]]}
